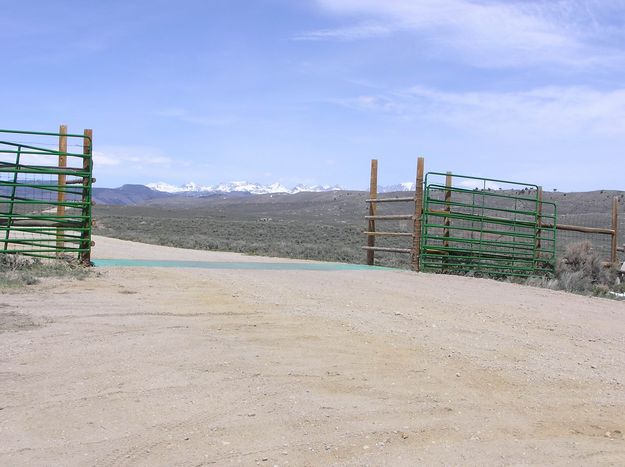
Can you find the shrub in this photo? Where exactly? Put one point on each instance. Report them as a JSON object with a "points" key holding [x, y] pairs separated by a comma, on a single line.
{"points": [[18, 271], [581, 270]]}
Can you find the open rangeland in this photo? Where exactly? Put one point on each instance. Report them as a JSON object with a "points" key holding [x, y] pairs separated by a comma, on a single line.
{"points": [[181, 366]]}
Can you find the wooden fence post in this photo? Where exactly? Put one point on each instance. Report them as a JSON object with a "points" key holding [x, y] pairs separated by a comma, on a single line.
{"points": [[539, 220], [61, 179], [447, 221], [373, 194], [614, 257], [85, 256], [418, 212]]}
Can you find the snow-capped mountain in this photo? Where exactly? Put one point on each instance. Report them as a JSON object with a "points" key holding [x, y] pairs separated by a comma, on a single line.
{"points": [[314, 188], [192, 188], [167, 188], [406, 186]]}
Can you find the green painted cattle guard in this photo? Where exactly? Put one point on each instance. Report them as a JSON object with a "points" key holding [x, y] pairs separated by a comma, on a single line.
{"points": [[486, 226]]}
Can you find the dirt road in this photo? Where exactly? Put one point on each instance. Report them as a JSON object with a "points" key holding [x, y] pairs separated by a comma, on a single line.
{"points": [[169, 366]]}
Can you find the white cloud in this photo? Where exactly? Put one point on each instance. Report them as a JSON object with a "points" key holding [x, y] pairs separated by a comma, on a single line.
{"points": [[490, 33], [361, 31], [130, 157], [548, 111], [551, 110], [103, 159], [378, 103], [138, 164]]}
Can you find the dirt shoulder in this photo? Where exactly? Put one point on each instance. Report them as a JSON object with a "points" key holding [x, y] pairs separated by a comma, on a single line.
{"points": [[166, 366]]}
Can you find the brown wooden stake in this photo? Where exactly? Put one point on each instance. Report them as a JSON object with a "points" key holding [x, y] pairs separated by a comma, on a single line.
{"points": [[85, 244], [447, 219], [539, 220], [614, 258], [373, 194], [447, 222], [418, 212], [60, 208]]}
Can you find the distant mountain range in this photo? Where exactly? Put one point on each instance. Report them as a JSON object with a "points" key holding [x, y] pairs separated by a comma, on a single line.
{"points": [[192, 188], [406, 186], [141, 194]]}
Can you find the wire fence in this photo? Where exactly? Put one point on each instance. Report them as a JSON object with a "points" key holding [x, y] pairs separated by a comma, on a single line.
{"points": [[601, 218], [462, 222]]}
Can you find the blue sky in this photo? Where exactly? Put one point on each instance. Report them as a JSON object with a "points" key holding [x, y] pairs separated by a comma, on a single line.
{"points": [[308, 91]]}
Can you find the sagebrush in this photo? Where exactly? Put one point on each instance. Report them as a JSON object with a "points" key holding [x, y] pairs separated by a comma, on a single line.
{"points": [[18, 271]]}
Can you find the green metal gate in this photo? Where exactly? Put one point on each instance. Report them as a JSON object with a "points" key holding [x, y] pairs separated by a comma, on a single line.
{"points": [[45, 194], [486, 227]]}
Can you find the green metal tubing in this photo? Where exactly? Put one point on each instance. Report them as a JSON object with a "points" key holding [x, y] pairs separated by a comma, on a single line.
{"points": [[500, 272], [42, 152], [486, 231], [73, 230], [44, 186], [490, 194], [490, 208], [43, 231], [42, 217], [494, 243], [472, 266], [473, 261], [482, 219], [43, 133], [500, 233], [453, 204], [37, 252], [475, 266], [27, 202], [38, 244], [41, 170], [11, 206], [507, 182], [479, 253], [515, 251]]}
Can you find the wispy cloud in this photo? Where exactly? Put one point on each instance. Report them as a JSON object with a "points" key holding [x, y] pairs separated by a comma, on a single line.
{"points": [[360, 31], [491, 33], [102, 159], [377, 103], [546, 111], [130, 157]]}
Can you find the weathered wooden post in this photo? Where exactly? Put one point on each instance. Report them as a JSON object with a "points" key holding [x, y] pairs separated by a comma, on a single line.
{"points": [[373, 194], [61, 179], [447, 221], [614, 256], [418, 212], [539, 220]]}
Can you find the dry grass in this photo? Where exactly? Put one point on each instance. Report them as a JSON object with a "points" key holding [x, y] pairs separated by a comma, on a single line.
{"points": [[18, 271], [581, 270]]}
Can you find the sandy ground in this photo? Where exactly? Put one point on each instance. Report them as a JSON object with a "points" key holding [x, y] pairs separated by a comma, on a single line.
{"points": [[161, 366]]}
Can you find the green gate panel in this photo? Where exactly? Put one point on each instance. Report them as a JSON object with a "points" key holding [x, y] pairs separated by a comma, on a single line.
{"points": [[487, 227], [45, 206]]}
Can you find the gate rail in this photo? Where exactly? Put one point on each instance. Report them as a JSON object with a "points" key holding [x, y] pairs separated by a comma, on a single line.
{"points": [[486, 226], [45, 194]]}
